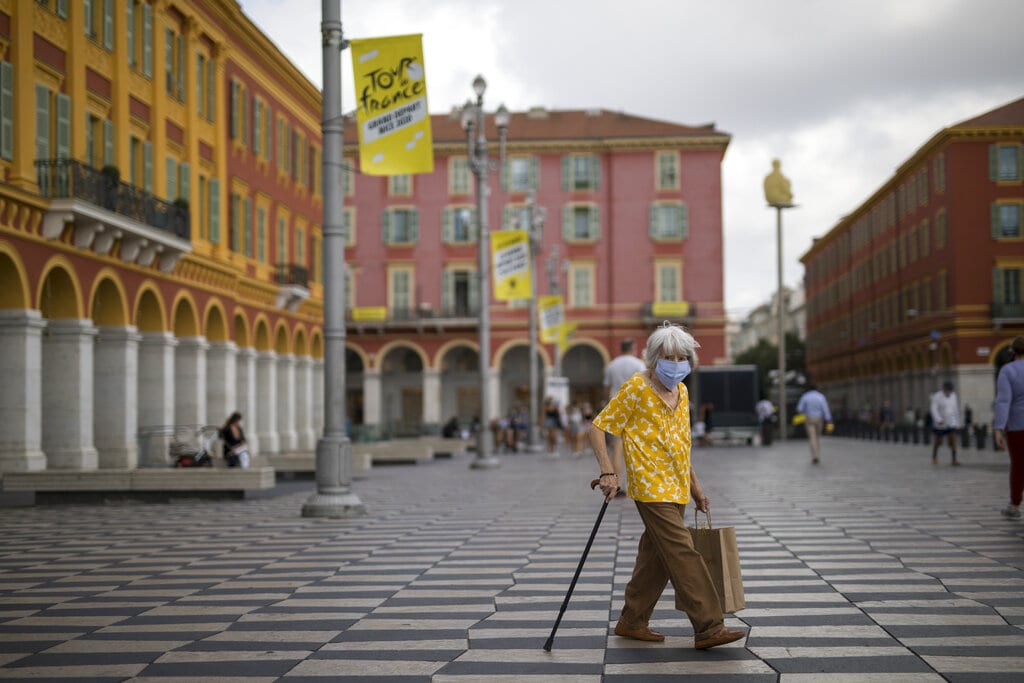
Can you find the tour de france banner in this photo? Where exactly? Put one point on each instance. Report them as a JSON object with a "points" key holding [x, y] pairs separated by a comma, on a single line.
{"points": [[510, 256], [391, 106], [552, 318]]}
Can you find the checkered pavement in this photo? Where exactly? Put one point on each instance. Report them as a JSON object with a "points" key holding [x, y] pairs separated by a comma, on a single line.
{"points": [[874, 566]]}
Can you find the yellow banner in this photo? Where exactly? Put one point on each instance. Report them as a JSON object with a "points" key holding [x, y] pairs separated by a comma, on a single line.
{"points": [[510, 262], [367, 314], [671, 309], [564, 332], [391, 106], [552, 316]]}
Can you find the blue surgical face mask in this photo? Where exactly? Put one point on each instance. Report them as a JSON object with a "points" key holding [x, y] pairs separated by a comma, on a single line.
{"points": [[671, 372]]}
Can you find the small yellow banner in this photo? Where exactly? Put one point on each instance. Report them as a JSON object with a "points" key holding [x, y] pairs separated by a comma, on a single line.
{"points": [[564, 332], [510, 259], [552, 316], [671, 309], [369, 314], [391, 99]]}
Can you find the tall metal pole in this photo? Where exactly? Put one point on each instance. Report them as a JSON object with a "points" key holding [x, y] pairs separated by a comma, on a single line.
{"points": [[485, 458], [334, 496], [536, 227], [782, 327], [554, 288]]}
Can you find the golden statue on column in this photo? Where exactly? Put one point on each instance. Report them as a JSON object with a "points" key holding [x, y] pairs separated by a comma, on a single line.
{"points": [[776, 187]]}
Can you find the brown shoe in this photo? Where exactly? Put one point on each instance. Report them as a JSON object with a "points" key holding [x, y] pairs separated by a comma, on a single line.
{"points": [[724, 635], [642, 633]]}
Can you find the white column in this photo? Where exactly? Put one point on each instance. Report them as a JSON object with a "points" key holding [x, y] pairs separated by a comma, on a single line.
{"points": [[372, 397], [286, 433], [432, 399], [304, 403], [318, 396], [116, 397], [67, 393], [190, 381], [266, 404], [21, 408], [245, 393], [156, 397], [221, 382], [494, 396]]}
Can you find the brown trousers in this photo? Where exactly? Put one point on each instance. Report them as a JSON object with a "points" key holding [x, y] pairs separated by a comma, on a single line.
{"points": [[666, 555]]}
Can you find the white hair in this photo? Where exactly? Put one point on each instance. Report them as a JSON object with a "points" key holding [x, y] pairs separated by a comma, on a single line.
{"points": [[672, 340]]}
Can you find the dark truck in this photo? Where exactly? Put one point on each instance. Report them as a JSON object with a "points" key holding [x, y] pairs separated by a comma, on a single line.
{"points": [[732, 392]]}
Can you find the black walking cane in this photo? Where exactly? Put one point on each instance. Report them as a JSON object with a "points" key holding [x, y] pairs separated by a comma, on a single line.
{"points": [[579, 569]]}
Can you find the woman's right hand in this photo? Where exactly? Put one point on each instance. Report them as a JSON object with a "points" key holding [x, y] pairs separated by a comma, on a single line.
{"points": [[1000, 440]]}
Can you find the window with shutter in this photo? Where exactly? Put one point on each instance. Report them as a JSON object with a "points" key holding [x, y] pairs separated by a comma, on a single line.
{"points": [[147, 40], [214, 211], [108, 24], [6, 110]]}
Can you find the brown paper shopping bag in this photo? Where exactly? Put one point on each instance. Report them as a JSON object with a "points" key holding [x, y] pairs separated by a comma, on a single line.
{"points": [[722, 557]]}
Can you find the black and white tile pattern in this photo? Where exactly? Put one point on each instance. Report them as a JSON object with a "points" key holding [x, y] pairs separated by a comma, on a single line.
{"points": [[874, 566]]}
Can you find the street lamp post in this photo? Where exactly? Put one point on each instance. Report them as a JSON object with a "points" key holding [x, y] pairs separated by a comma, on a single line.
{"points": [[334, 496], [779, 196], [537, 214], [473, 122]]}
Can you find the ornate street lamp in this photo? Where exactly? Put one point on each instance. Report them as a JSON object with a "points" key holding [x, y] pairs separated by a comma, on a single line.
{"points": [[779, 196], [479, 163]]}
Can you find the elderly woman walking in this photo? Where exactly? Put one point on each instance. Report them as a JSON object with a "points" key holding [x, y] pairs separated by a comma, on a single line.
{"points": [[651, 414]]}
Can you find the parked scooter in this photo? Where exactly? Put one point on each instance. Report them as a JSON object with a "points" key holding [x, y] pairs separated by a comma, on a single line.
{"points": [[194, 447]]}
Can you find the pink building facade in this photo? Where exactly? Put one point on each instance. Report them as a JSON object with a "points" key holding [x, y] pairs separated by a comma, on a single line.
{"points": [[632, 237]]}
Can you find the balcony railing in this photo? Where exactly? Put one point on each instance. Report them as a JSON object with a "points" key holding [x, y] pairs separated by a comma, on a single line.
{"points": [[70, 179], [292, 274], [1007, 311], [372, 317]]}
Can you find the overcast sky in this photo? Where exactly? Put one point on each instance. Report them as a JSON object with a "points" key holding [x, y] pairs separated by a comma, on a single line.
{"points": [[841, 92]]}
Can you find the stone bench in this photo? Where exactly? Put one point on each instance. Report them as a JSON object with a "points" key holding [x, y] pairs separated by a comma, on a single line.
{"points": [[304, 462], [395, 452], [59, 486], [445, 447]]}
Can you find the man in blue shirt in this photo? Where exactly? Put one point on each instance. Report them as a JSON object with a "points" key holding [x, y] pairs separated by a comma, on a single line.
{"points": [[814, 407]]}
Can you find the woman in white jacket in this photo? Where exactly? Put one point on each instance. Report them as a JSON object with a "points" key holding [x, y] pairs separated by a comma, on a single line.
{"points": [[945, 412]]}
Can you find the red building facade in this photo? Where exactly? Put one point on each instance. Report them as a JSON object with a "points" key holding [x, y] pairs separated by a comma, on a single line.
{"points": [[633, 236], [922, 282]]}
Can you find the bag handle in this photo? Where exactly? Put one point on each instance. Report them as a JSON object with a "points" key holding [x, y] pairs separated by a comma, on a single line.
{"points": [[706, 514]]}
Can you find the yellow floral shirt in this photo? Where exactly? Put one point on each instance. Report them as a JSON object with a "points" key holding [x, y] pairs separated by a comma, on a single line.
{"points": [[655, 440]]}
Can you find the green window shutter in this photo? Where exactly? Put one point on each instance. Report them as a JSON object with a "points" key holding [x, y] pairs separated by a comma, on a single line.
{"points": [[108, 24], [1020, 161], [211, 106], [257, 126], [234, 109], [414, 225], [993, 162], [185, 184], [506, 167], [261, 235], [684, 220], [147, 166], [89, 21], [214, 211], [446, 292], [566, 172], [199, 83], [474, 225], [447, 225], [129, 25], [652, 221], [997, 286], [247, 223], [6, 110], [63, 126], [567, 223], [169, 61], [171, 168], [534, 173], [62, 9], [474, 293], [595, 173], [42, 122], [181, 68], [994, 217], [281, 247], [147, 40], [267, 130], [108, 143], [385, 226], [594, 229]]}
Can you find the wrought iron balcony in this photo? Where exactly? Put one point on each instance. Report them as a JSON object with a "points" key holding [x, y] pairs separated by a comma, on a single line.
{"points": [[70, 179], [294, 282], [422, 317], [1008, 312], [105, 211], [292, 274]]}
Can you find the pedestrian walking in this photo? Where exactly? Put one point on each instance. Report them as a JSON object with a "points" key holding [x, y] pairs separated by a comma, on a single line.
{"points": [[765, 411], [945, 413], [814, 407], [1008, 422], [620, 369], [651, 414]]}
